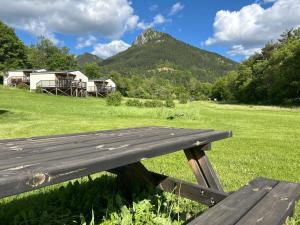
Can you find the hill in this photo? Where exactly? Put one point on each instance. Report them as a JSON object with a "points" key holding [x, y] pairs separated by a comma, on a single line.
{"points": [[87, 58], [157, 52]]}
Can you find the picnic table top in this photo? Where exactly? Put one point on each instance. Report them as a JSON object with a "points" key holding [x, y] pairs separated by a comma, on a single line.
{"points": [[30, 163]]}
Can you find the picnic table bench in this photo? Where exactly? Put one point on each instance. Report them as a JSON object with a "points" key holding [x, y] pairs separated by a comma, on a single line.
{"points": [[30, 163]]}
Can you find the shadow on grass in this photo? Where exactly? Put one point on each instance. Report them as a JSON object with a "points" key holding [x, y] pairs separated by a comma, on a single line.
{"points": [[103, 195], [295, 104], [3, 111]]}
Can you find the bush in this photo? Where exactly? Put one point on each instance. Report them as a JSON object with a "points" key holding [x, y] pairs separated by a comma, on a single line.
{"points": [[292, 102], [153, 104], [183, 98], [114, 99], [39, 90], [169, 103], [23, 86], [134, 102]]}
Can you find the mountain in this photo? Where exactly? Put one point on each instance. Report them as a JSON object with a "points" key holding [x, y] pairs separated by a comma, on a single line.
{"points": [[156, 52], [87, 58]]}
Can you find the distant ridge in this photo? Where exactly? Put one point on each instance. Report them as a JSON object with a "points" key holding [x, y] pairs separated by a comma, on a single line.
{"points": [[87, 58], [160, 52]]}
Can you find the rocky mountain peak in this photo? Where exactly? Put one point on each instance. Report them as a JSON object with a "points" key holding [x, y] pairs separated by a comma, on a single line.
{"points": [[147, 36]]}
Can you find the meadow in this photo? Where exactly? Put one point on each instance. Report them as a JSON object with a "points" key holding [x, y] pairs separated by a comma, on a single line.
{"points": [[265, 143]]}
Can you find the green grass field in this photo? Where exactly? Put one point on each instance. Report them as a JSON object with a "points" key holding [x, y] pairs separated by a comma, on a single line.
{"points": [[265, 143]]}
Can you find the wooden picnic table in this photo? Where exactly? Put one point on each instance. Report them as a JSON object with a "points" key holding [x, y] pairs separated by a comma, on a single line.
{"points": [[30, 163]]}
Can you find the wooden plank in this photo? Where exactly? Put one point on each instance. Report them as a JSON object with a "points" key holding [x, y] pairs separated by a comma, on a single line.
{"points": [[32, 172], [202, 168], [36, 138], [49, 140], [233, 208], [196, 169], [18, 150], [188, 190], [275, 207], [208, 171], [181, 188], [99, 148], [157, 144]]}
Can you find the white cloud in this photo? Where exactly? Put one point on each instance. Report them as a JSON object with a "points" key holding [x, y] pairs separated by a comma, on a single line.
{"points": [[252, 26], [176, 8], [153, 7], [268, 1], [107, 50], [158, 19], [105, 18], [236, 50], [83, 42], [39, 29]]}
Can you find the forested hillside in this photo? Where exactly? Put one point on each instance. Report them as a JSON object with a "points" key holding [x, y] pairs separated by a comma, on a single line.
{"points": [[269, 77], [154, 52], [87, 58]]}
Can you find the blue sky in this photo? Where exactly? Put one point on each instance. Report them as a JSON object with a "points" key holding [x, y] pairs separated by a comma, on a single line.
{"points": [[235, 29]]}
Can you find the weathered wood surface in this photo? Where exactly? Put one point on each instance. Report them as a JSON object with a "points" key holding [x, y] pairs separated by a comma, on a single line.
{"points": [[202, 167], [261, 202], [30, 163]]}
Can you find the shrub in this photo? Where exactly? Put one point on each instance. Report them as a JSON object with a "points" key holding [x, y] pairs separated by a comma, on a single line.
{"points": [[183, 98], [169, 103], [22, 86], [39, 89], [134, 102], [174, 116], [292, 102], [153, 104], [114, 99]]}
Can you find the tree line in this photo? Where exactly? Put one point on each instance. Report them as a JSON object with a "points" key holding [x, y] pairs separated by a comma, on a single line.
{"points": [[269, 77]]}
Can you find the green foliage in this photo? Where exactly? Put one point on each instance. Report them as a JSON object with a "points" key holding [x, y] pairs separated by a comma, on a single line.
{"points": [[169, 103], [23, 86], [223, 88], [269, 77], [39, 90], [183, 98], [134, 102], [175, 116], [92, 70], [182, 86], [46, 55], [114, 99], [153, 104], [163, 55], [12, 50]]}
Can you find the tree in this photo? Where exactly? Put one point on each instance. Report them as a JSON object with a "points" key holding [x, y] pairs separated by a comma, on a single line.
{"points": [[12, 50], [92, 69], [44, 54], [224, 88]]}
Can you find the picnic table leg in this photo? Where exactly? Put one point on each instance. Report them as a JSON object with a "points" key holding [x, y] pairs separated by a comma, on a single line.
{"points": [[137, 172], [202, 168]]}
